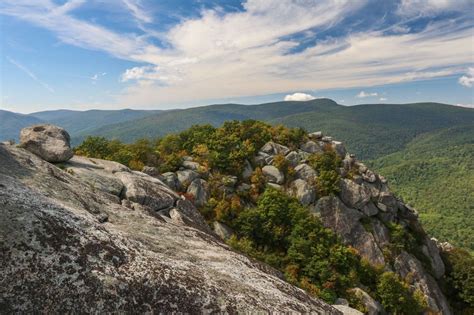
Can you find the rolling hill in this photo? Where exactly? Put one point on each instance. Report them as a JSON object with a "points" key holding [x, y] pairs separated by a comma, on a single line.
{"points": [[370, 131], [435, 173], [424, 149], [83, 122], [12, 123]]}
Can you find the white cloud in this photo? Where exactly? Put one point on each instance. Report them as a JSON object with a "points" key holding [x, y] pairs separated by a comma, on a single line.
{"points": [[468, 79], [30, 74], [138, 11], [299, 97], [363, 94], [466, 105], [429, 7], [383, 99], [246, 53]]}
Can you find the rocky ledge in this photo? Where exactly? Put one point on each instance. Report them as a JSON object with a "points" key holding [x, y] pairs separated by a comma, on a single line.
{"points": [[92, 236]]}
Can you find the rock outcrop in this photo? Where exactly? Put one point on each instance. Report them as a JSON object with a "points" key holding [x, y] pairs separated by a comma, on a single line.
{"points": [[95, 237], [49, 142]]}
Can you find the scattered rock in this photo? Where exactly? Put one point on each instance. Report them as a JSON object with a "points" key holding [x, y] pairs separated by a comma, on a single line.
{"points": [[306, 172], [315, 135], [302, 191], [150, 170], [407, 265], [222, 230], [199, 189], [339, 148], [190, 165], [347, 310], [354, 195], [49, 142], [311, 147], [341, 301], [273, 174], [185, 177], [373, 307], [293, 158], [272, 148], [147, 191], [171, 180]]}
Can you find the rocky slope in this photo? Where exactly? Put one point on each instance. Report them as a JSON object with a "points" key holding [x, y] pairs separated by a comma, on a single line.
{"points": [[365, 213], [90, 235]]}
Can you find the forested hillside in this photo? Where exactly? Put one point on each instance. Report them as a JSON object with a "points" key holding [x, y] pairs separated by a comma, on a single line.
{"points": [[435, 173]]}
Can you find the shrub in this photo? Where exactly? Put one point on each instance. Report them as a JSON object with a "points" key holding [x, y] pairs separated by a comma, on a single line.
{"points": [[460, 279], [396, 297]]}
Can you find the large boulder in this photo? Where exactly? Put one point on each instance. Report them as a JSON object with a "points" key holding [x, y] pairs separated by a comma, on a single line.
{"points": [[431, 250], [339, 148], [96, 173], [199, 189], [146, 190], [302, 191], [408, 267], [311, 147], [185, 177], [372, 306], [272, 148], [346, 223], [293, 158], [222, 230], [171, 180], [49, 142], [306, 172], [357, 196], [347, 310], [273, 174]]}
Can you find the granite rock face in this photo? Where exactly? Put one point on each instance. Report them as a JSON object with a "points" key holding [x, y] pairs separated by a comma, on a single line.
{"points": [[49, 142], [69, 247]]}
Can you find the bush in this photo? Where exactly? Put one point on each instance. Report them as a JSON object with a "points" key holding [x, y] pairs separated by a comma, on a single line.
{"points": [[396, 297], [326, 164], [460, 279]]}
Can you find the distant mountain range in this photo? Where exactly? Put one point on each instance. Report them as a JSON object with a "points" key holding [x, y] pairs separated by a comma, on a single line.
{"points": [[76, 122], [425, 149]]}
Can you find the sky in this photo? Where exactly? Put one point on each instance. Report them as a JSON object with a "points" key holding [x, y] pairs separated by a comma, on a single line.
{"points": [[162, 54]]}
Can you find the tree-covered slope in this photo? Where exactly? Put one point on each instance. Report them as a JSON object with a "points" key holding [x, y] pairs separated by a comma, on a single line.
{"points": [[83, 122], [435, 173], [372, 131], [179, 120]]}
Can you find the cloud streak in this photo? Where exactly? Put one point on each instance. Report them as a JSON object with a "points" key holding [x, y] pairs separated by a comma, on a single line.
{"points": [[252, 52], [30, 74]]}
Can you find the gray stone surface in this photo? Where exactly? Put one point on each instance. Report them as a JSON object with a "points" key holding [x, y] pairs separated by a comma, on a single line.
{"points": [[345, 222], [199, 189], [306, 172], [407, 265], [273, 174], [302, 191], [134, 261], [49, 142]]}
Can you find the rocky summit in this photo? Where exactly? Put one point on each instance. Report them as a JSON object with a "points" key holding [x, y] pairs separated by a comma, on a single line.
{"points": [[92, 236]]}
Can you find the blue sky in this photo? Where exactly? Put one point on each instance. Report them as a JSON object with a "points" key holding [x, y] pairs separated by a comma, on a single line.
{"points": [[111, 54]]}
